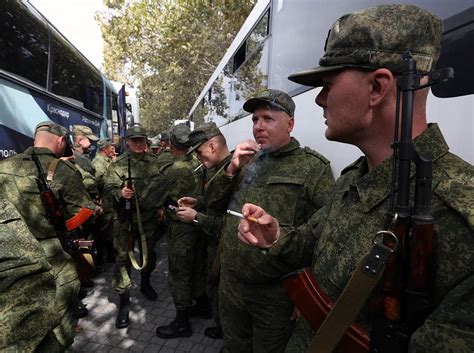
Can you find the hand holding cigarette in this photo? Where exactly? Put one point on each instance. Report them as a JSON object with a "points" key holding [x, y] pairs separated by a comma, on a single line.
{"points": [[242, 155], [262, 231]]}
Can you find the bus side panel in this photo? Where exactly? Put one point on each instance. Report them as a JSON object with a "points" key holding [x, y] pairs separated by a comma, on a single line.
{"points": [[22, 109]]}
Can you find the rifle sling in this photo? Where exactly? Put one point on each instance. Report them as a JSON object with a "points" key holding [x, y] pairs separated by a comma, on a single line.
{"points": [[352, 299], [141, 232], [52, 169]]}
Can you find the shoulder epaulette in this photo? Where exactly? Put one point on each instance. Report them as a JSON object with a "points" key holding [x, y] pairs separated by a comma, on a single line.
{"points": [[312, 152], [353, 165]]}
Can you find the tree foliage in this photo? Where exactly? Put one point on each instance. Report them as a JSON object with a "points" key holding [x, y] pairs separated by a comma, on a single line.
{"points": [[168, 49]]}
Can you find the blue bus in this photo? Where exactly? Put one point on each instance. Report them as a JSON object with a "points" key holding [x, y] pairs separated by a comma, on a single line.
{"points": [[281, 37], [44, 77]]}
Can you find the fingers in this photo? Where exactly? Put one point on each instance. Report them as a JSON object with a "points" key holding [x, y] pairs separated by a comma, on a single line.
{"points": [[251, 210]]}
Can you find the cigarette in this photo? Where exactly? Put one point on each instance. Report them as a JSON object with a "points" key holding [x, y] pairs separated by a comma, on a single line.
{"points": [[197, 168], [240, 215]]}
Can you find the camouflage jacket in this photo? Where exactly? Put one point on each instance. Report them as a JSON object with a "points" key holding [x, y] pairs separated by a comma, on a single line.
{"points": [[165, 157], [18, 183], [214, 200], [175, 180], [26, 317], [291, 184], [348, 224], [101, 163], [143, 169], [84, 165]]}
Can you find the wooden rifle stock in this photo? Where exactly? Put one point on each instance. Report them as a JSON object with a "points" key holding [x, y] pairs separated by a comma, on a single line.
{"points": [[79, 250], [314, 304]]}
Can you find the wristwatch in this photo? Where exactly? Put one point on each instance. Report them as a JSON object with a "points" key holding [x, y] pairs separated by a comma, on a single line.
{"points": [[196, 220]]}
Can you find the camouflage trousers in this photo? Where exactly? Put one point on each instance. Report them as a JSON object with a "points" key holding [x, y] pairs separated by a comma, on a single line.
{"points": [[186, 264], [255, 317], [212, 289], [66, 301], [121, 279]]}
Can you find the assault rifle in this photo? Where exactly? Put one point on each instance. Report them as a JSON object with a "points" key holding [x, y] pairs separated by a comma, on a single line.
{"points": [[67, 230], [400, 265], [129, 219]]}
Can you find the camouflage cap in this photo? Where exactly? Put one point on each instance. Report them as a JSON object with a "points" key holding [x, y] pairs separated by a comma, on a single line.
{"points": [[273, 97], [57, 130], [53, 128], [376, 38], [165, 135], [135, 131], [155, 142], [84, 131], [179, 136], [202, 134], [104, 143]]}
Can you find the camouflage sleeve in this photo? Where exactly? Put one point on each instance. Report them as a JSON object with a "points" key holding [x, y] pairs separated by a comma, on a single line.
{"points": [[211, 224], [27, 287], [89, 181], [450, 327], [296, 244], [156, 191], [72, 190], [113, 181]]}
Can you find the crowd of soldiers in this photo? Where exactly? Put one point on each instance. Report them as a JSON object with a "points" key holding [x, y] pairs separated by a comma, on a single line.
{"points": [[236, 222]]}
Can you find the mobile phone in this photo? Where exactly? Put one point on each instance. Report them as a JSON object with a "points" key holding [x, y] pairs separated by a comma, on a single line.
{"points": [[172, 208]]}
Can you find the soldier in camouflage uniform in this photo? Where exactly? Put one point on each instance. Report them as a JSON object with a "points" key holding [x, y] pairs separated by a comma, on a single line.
{"points": [[294, 183], [83, 137], [211, 149], [104, 224], [165, 157], [24, 272], [186, 243], [358, 98], [103, 158], [18, 184], [143, 168]]}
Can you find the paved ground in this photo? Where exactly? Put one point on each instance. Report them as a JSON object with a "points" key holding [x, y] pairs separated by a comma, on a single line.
{"points": [[97, 332]]}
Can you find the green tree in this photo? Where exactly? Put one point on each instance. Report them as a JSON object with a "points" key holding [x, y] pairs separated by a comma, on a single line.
{"points": [[167, 49]]}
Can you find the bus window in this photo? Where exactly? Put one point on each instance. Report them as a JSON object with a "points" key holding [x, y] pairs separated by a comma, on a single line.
{"points": [[251, 75], [74, 79], [457, 52], [23, 43]]}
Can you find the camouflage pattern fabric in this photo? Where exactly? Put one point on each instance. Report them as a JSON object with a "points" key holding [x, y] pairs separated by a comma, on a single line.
{"points": [[186, 243], [18, 185], [290, 184], [101, 163], [211, 222], [354, 215], [85, 167], [143, 168], [26, 317], [165, 157]]}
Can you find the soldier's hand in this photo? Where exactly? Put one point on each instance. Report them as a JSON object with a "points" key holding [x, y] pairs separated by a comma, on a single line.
{"points": [[242, 156], [262, 233], [98, 210], [186, 214], [187, 201], [127, 193], [160, 214]]}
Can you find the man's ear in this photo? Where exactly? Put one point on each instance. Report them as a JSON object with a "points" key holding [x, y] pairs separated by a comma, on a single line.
{"points": [[382, 83], [291, 124]]}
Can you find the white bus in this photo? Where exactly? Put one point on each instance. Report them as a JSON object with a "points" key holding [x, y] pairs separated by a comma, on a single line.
{"points": [[281, 37]]}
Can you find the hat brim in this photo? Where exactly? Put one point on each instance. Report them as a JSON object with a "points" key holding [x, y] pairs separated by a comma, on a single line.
{"points": [[133, 136], [252, 104], [313, 77], [194, 147], [93, 137]]}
